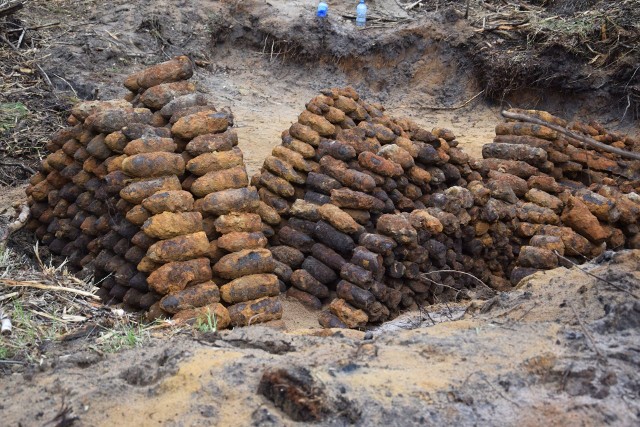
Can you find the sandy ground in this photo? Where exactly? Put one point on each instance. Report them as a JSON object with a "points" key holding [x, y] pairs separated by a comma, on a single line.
{"points": [[559, 350]]}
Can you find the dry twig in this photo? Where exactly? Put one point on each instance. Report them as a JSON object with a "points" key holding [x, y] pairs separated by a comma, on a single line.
{"points": [[626, 291], [36, 285], [588, 334]]}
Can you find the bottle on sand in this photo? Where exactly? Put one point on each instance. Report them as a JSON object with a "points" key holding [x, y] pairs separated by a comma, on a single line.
{"points": [[323, 8], [361, 14]]}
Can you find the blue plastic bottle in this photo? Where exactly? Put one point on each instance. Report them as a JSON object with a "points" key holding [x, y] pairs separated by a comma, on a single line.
{"points": [[323, 8], [361, 14]]}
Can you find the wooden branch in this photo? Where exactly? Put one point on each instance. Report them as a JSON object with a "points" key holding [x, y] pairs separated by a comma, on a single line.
{"points": [[614, 285], [588, 334], [19, 165], [36, 285], [580, 138]]}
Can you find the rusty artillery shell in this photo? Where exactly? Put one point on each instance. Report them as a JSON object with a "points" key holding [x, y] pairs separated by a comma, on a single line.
{"points": [[292, 157], [179, 248], [355, 295], [337, 150], [304, 281], [307, 227], [137, 215], [316, 198], [237, 241], [250, 287], [168, 201], [268, 214], [348, 177], [148, 299], [288, 255], [167, 225], [346, 198], [132, 297], [216, 314], [139, 282], [397, 154], [526, 153], [377, 312], [283, 271], [234, 200], [146, 165], [514, 167], [304, 210], [377, 243], [357, 275], [296, 239], [304, 134], [317, 122], [396, 270], [304, 298], [238, 222], [150, 144], [319, 270], [328, 256], [175, 276], [333, 238], [339, 219], [59, 160], [351, 316], [137, 191], [177, 69], [516, 128], [200, 123], [235, 177], [256, 311], [192, 297], [245, 262], [328, 320], [280, 205], [399, 228], [117, 293], [277, 185], [305, 150], [369, 261], [322, 183], [142, 240], [158, 96], [379, 164], [215, 161], [212, 142], [284, 170], [121, 247]]}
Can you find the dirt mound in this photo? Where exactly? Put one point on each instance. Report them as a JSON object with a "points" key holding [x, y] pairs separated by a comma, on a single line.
{"points": [[558, 350]]}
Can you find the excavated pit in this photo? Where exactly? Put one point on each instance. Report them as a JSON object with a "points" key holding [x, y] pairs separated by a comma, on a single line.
{"points": [[355, 212]]}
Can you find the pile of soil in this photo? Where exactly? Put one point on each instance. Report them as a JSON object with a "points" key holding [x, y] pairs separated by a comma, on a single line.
{"points": [[561, 349]]}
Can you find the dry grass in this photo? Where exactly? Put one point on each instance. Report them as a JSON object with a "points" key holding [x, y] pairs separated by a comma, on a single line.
{"points": [[30, 107], [47, 304]]}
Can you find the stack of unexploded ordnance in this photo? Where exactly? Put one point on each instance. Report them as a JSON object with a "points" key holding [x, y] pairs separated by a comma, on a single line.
{"points": [[355, 212], [363, 228], [380, 215], [151, 193], [574, 199]]}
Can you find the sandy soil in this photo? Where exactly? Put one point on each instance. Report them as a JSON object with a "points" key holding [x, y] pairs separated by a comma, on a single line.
{"points": [[559, 350]]}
